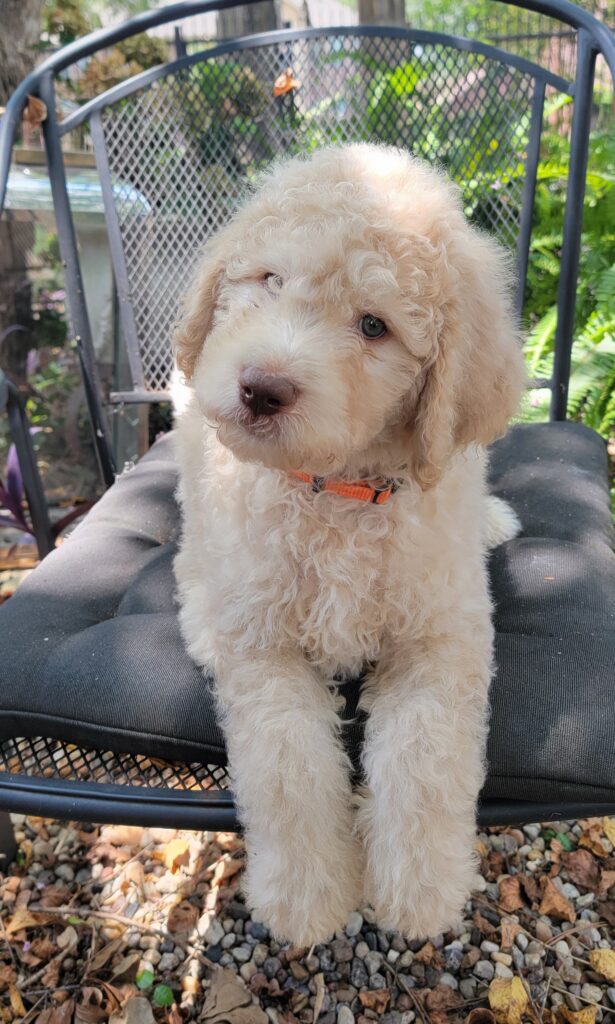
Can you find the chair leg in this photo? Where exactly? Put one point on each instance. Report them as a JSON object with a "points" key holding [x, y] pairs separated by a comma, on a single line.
{"points": [[8, 846]]}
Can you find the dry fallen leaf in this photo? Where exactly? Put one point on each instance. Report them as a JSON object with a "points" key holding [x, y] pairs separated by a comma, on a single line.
{"points": [[90, 1010], [609, 829], [17, 1004], [607, 881], [554, 903], [182, 918], [480, 1015], [508, 1000], [103, 956], [176, 855], [67, 939], [530, 887], [136, 1010], [510, 930], [510, 898], [591, 839], [585, 1016], [58, 1014], [603, 961], [442, 997], [23, 918], [376, 1000], [228, 1000], [121, 835], [582, 867]]}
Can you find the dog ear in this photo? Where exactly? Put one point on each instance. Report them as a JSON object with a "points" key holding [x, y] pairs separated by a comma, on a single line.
{"points": [[197, 313], [475, 382]]}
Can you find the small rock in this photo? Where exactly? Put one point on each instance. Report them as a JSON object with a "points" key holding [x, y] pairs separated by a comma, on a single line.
{"points": [[243, 953], [260, 954], [562, 949], [361, 950], [342, 951], [247, 971], [502, 958], [153, 956], [543, 931], [489, 947], [259, 931], [211, 931], [453, 955], [229, 940], [354, 925], [467, 987], [592, 993], [226, 960], [522, 941], [373, 961], [271, 967], [533, 960], [447, 979], [358, 973], [611, 994], [569, 973], [484, 970], [393, 956], [168, 962], [298, 971], [502, 971], [406, 959], [377, 981], [65, 872]]}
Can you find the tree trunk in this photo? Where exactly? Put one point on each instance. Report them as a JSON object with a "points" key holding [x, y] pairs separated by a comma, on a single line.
{"points": [[21, 32], [247, 19], [382, 12]]}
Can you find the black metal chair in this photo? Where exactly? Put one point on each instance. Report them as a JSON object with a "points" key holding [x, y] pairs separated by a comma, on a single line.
{"points": [[102, 714]]}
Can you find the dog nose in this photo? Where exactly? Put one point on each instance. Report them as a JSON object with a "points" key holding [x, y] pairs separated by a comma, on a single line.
{"points": [[266, 394]]}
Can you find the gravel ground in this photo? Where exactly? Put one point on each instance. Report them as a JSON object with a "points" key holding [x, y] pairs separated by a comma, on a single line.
{"points": [[132, 926]]}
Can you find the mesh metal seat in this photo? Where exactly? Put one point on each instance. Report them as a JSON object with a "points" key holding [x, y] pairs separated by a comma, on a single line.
{"points": [[87, 727]]}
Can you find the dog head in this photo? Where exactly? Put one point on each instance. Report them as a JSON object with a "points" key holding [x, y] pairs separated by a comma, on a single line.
{"points": [[350, 319]]}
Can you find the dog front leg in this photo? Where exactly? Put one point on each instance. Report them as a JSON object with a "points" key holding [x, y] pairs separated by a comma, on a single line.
{"points": [[424, 763], [292, 783]]}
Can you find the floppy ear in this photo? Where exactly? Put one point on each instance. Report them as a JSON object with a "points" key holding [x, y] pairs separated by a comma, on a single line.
{"points": [[197, 313], [475, 383]]}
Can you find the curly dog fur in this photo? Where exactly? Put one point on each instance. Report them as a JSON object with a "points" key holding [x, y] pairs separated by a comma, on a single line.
{"points": [[281, 588]]}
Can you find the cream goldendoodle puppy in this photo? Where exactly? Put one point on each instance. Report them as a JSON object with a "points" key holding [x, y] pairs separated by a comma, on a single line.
{"points": [[348, 347]]}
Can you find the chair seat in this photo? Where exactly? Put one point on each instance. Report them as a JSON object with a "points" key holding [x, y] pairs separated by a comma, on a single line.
{"points": [[92, 653]]}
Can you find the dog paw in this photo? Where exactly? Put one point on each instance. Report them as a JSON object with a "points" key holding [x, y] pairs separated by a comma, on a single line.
{"points": [[304, 902]]}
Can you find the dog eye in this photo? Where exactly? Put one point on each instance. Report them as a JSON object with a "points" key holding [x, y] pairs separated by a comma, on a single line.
{"points": [[372, 327], [273, 282]]}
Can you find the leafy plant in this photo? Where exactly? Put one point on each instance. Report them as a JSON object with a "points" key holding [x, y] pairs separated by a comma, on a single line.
{"points": [[592, 379]]}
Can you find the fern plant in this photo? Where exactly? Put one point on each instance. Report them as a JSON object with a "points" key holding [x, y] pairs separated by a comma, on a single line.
{"points": [[592, 379]]}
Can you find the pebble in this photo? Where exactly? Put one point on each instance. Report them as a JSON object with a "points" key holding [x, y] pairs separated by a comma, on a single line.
{"points": [[229, 940], [372, 961], [448, 979], [544, 932], [243, 953], [502, 958], [562, 949], [377, 981], [342, 951], [522, 941], [358, 973], [484, 970], [212, 932], [65, 872], [591, 992], [354, 925], [345, 1015], [271, 967], [168, 962], [489, 947], [501, 971], [247, 970], [467, 987], [611, 994], [361, 949]]}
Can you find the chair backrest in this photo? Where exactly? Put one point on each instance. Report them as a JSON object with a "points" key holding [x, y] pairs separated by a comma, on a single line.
{"points": [[176, 147]]}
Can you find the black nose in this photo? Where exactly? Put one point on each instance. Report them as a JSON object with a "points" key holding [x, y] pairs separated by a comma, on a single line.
{"points": [[266, 394]]}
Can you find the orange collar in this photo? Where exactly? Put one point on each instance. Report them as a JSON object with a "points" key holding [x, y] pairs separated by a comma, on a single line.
{"points": [[377, 492]]}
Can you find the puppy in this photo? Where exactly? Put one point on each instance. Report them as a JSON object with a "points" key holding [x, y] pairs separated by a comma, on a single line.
{"points": [[349, 348]]}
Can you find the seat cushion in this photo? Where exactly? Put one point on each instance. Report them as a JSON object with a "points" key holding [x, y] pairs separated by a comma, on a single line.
{"points": [[92, 652]]}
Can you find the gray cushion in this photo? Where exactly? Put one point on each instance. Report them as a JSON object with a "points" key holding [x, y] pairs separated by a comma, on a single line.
{"points": [[92, 651]]}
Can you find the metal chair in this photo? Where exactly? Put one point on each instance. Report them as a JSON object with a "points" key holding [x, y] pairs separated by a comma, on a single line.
{"points": [[102, 714]]}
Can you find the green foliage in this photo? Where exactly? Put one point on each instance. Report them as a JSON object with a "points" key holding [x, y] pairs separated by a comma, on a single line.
{"points": [[592, 380]]}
